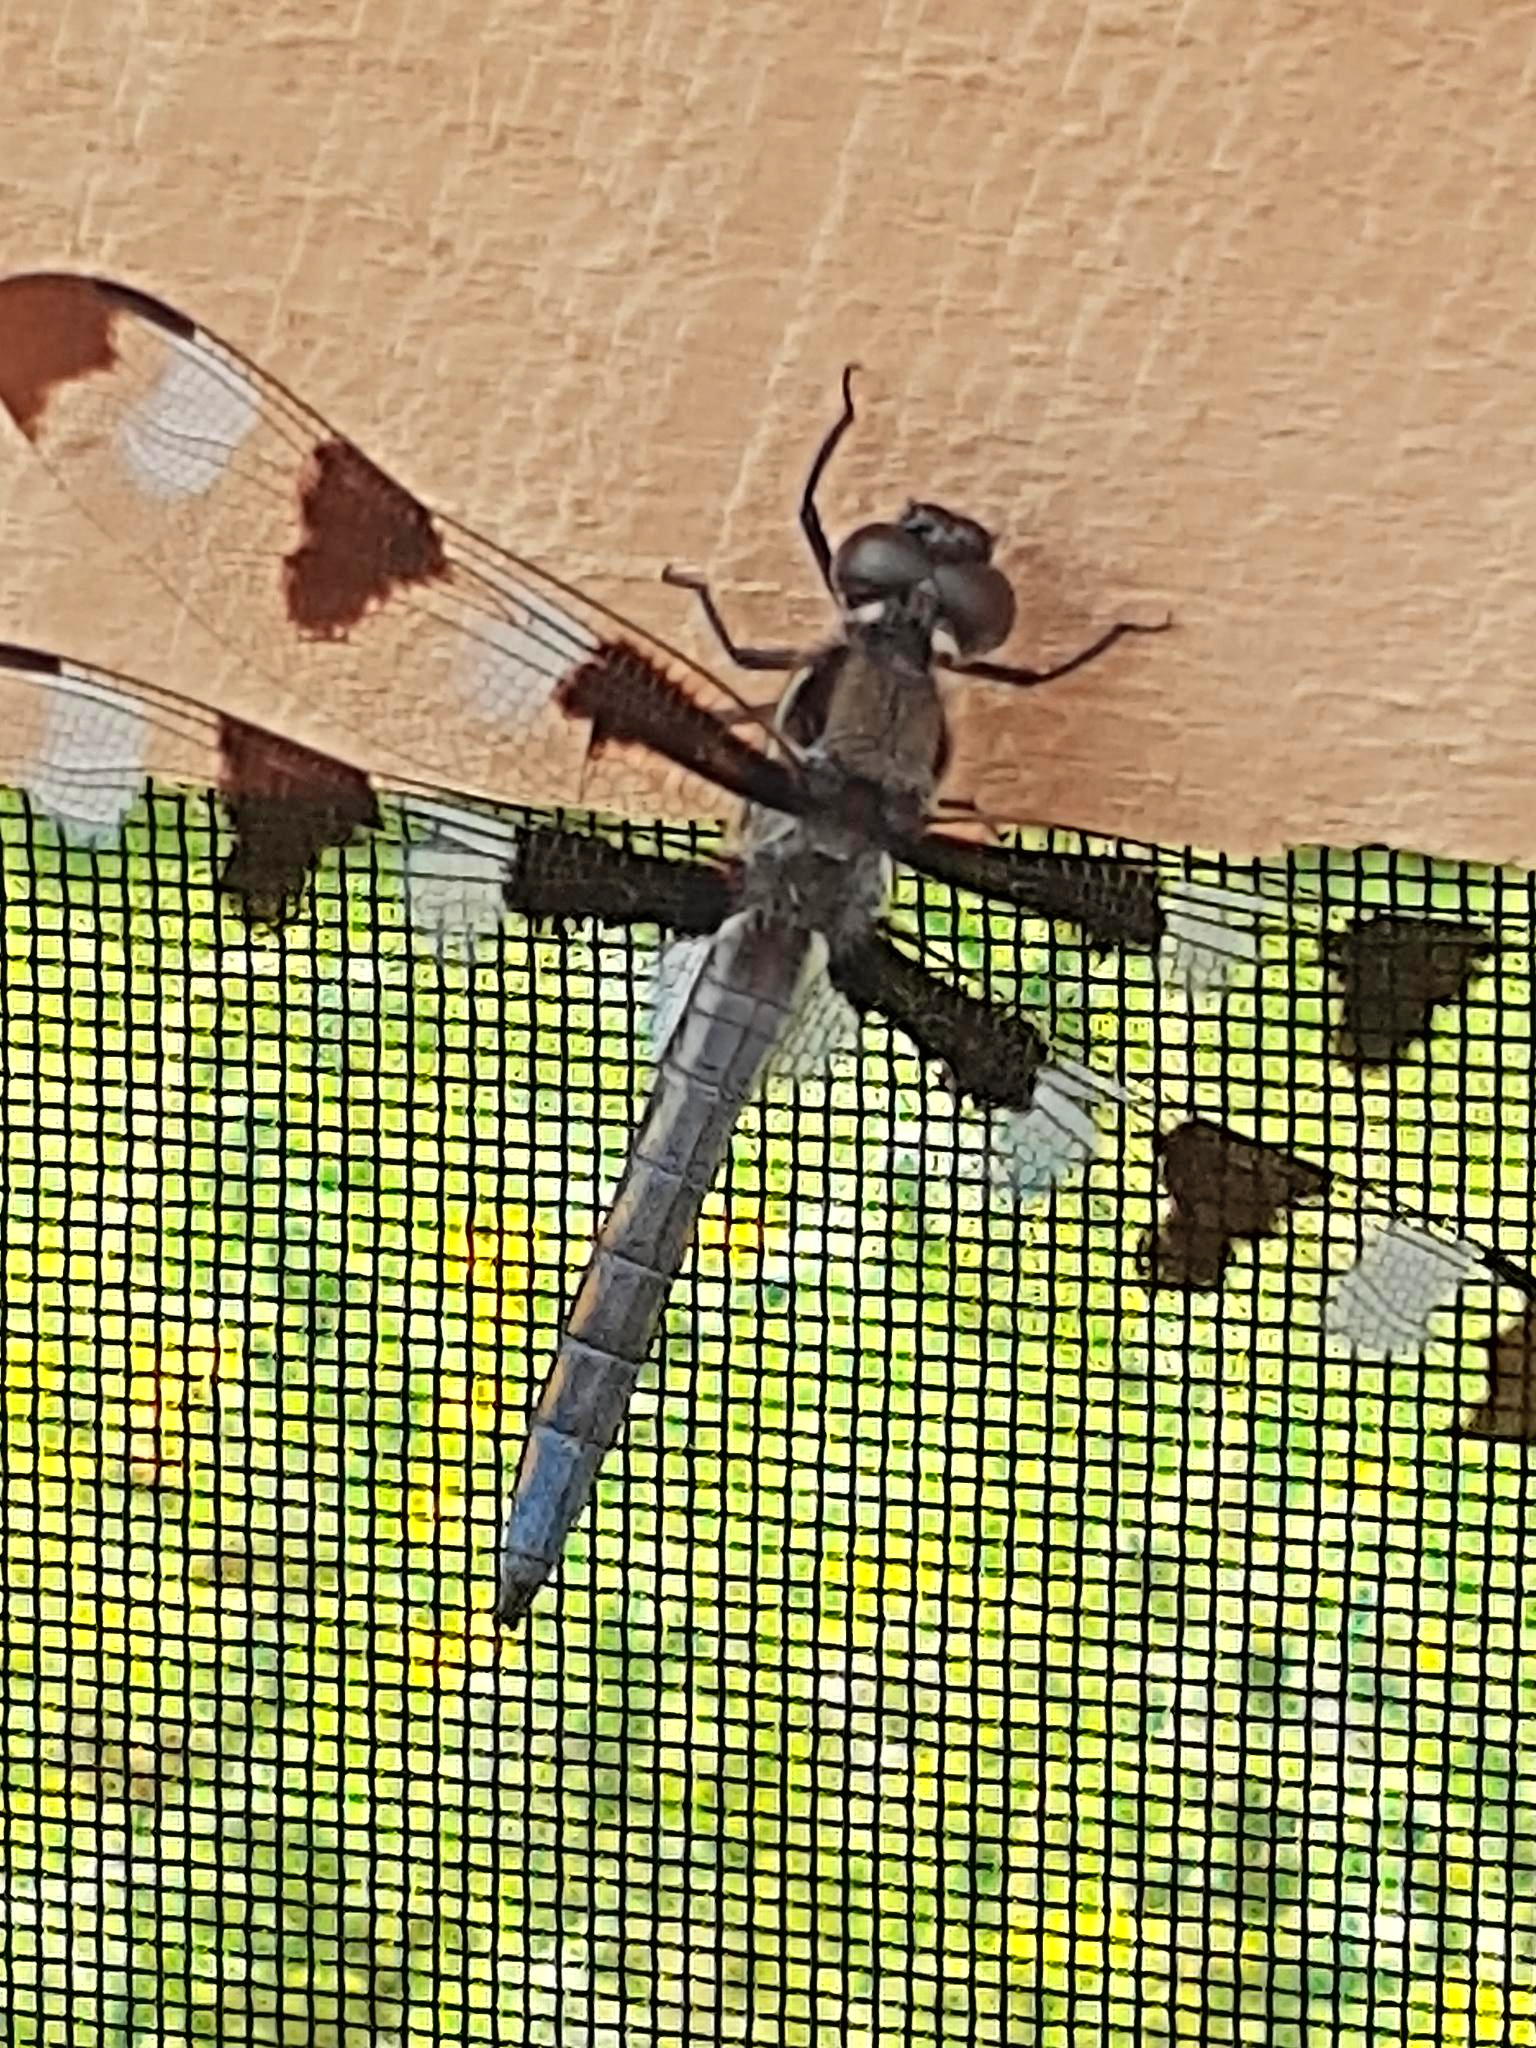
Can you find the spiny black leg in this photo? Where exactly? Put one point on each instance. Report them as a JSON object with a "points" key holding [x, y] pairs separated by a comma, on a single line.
{"points": [[744, 657], [1005, 672], [810, 518]]}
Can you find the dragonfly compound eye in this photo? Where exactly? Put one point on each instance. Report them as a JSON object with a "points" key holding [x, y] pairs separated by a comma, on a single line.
{"points": [[946, 536], [976, 602], [879, 561]]}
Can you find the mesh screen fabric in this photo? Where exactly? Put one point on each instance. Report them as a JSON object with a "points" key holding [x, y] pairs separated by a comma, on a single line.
{"points": [[963, 1649]]}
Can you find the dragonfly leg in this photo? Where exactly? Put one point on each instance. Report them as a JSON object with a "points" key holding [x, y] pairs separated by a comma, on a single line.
{"points": [[810, 518], [784, 658], [1007, 672]]}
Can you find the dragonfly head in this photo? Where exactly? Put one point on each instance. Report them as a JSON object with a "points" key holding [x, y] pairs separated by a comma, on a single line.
{"points": [[931, 568]]}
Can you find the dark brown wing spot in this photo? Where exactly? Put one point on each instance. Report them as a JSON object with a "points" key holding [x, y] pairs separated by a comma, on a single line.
{"points": [[1221, 1190], [1113, 901], [563, 875], [287, 804], [992, 1055], [155, 311], [29, 660], [1392, 972], [53, 329], [1509, 1411], [631, 702], [364, 537]]}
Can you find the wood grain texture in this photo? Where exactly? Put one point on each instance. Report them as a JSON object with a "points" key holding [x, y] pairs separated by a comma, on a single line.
{"points": [[1214, 308]]}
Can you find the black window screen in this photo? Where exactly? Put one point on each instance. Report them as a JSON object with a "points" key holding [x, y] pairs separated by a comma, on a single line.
{"points": [[966, 1648]]}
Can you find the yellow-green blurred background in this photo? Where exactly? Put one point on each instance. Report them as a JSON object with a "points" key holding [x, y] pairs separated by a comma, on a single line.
{"points": [[959, 1653]]}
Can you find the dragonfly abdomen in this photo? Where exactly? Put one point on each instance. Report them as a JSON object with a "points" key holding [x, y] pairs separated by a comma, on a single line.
{"points": [[735, 1014]]}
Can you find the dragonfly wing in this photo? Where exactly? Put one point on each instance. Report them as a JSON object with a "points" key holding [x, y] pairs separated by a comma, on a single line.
{"points": [[1392, 973], [1508, 1410], [1201, 934], [1059, 1134], [84, 744], [368, 623], [1382, 1305], [1043, 1108], [1223, 1190], [822, 1024]]}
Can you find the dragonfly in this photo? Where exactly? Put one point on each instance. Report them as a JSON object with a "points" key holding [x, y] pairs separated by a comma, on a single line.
{"points": [[357, 612]]}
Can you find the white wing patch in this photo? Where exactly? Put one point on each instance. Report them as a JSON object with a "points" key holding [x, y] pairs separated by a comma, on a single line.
{"points": [[90, 768], [822, 1023], [1035, 1149], [1383, 1303], [678, 966], [455, 874], [178, 440], [504, 671], [1207, 932], [454, 899]]}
